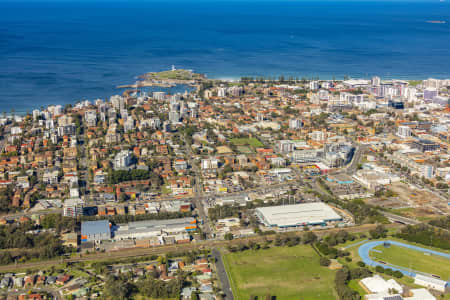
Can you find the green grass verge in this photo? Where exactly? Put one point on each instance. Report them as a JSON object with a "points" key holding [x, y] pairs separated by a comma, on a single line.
{"points": [[284, 272], [354, 285]]}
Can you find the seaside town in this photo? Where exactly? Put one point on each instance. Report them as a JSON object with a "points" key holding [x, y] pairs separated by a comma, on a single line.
{"points": [[151, 194]]}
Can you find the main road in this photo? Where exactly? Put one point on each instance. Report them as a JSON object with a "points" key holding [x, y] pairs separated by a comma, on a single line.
{"points": [[399, 219], [198, 192], [222, 275]]}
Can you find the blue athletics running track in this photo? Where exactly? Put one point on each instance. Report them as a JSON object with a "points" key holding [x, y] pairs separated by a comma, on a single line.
{"points": [[365, 249]]}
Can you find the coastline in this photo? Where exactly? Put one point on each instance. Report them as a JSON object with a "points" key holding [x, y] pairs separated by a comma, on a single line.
{"points": [[72, 58], [119, 89]]}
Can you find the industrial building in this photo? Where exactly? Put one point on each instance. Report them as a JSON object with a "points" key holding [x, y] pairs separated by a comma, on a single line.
{"points": [[377, 284], [372, 179], [152, 228], [345, 188], [283, 216], [430, 282], [95, 231]]}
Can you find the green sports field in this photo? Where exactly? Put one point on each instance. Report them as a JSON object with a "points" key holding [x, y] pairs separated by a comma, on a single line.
{"points": [[284, 272], [254, 142], [416, 260]]}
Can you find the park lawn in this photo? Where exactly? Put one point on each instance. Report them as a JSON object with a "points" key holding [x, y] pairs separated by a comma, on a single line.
{"points": [[284, 272], [416, 260], [402, 211], [254, 142], [354, 285], [244, 149], [177, 74], [165, 190]]}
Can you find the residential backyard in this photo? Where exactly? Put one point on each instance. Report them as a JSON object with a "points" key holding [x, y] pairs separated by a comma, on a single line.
{"points": [[284, 272]]}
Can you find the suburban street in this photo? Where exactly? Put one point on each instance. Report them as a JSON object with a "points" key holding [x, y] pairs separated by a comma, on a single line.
{"points": [[222, 274]]}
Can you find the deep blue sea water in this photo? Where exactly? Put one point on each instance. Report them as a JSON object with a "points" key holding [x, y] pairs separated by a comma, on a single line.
{"points": [[63, 51]]}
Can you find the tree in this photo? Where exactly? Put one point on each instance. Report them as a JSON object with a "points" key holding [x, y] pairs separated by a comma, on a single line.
{"points": [[397, 274], [117, 288], [379, 232], [442, 186], [309, 237], [194, 295], [278, 241], [325, 262], [227, 169], [228, 236], [426, 235], [344, 291]]}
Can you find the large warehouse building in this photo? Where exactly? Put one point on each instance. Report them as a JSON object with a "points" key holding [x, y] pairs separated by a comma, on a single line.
{"points": [[95, 231], [316, 213], [152, 228]]}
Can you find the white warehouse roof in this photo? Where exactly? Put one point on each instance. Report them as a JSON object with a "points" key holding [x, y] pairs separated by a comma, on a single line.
{"points": [[377, 284], [430, 280], [297, 214]]}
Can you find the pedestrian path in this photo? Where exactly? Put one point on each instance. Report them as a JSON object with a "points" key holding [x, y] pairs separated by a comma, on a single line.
{"points": [[355, 244]]}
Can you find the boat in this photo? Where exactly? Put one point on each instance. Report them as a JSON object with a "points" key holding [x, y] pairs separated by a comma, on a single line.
{"points": [[436, 22]]}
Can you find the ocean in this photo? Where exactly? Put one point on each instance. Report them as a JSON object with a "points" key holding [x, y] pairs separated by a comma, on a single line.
{"points": [[62, 51]]}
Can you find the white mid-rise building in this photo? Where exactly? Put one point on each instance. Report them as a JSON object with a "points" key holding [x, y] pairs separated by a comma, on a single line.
{"points": [[221, 92], [404, 131], [324, 95], [429, 94], [317, 136], [211, 163], [123, 159], [295, 124], [285, 146], [376, 81], [159, 96], [117, 102], [313, 85], [174, 117]]}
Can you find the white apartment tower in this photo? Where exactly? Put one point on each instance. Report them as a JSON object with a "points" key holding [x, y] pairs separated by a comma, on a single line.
{"points": [[404, 131], [376, 81]]}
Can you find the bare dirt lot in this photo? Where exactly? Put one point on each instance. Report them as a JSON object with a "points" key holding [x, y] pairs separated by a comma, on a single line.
{"points": [[412, 202]]}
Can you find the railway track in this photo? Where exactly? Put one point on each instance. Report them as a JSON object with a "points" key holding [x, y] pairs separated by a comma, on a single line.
{"points": [[158, 250]]}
